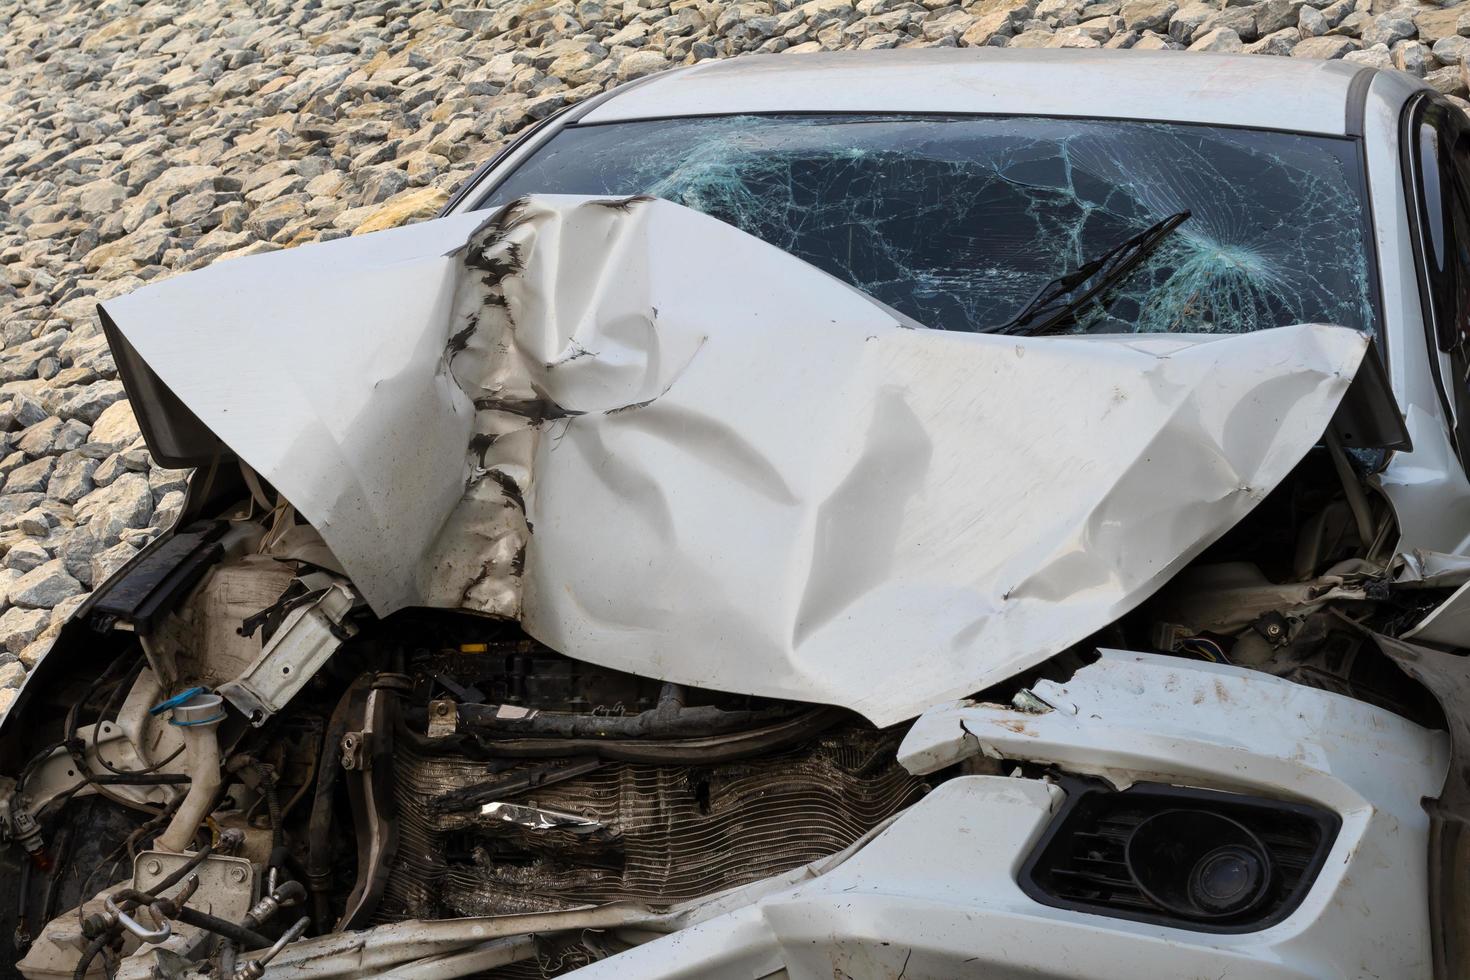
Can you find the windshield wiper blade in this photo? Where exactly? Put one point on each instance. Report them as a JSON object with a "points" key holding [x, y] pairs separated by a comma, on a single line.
{"points": [[1059, 300]]}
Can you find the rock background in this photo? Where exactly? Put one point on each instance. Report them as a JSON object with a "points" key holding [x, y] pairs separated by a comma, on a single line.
{"points": [[138, 140]]}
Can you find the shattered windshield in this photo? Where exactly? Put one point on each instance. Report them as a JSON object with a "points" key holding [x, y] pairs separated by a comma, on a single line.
{"points": [[958, 222]]}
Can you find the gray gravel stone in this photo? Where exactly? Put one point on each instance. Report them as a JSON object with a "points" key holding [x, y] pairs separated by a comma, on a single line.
{"points": [[1449, 81], [115, 428], [12, 675], [88, 404], [1451, 50], [71, 479], [109, 560], [1323, 47], [26, 555], [76, 552], [18, 627], [36, 523], [25, 411], [1148, 15], [32, 476], [1311, 23], [1188, 20], [1220, 39], [1377, 56], [1278, 43], [44, 586], [1413, 57], [125, 503], [1396, 25], [162, 482]]}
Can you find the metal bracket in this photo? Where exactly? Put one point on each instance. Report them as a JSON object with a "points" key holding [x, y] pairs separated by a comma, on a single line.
{"points": [[226, 887], [355, 752], [306, 638], [443, 718]]}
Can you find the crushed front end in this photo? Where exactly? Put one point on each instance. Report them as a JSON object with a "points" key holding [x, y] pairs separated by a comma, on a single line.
{"points": [[614, 622]]}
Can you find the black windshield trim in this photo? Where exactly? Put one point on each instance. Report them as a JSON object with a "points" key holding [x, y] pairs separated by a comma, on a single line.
{"points": [[472, 188]]}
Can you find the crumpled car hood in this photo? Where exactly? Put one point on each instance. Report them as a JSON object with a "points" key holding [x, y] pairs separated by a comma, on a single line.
{"points": [[669, 448]]}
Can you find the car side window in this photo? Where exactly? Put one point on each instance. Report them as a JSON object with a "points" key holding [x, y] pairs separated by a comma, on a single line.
{"points": [[1441, 137]]}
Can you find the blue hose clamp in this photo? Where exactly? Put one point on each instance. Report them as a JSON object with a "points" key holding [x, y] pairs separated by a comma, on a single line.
{"points": [[182, 700], [176, 700]]}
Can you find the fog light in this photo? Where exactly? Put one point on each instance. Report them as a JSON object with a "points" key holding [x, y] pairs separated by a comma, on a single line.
{"points": [[1198, 864]]}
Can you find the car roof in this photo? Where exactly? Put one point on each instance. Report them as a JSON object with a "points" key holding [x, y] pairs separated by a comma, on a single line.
{"points": [[1294, 94]]}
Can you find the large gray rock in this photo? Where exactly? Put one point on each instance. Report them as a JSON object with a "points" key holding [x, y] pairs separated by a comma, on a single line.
{"points": [[1148, 15], [76, 551], [1377, 56], [1396, 25], [1312, 22], [105, 562], [1451, 50], [71, 479], [88, 404], [1188, 20], [1323, 47], [640, 63], [1448, 81], [44, 586], [12, 674], [1413, 57], [1222, 39], [1279, 43], [125, 503], [26, 555], [18, 627], [115, 428], [54, 435], [32, 476], [25, 411]]}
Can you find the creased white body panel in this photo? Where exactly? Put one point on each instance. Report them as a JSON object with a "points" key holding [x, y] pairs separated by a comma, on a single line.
{"points": [[736, 472]]}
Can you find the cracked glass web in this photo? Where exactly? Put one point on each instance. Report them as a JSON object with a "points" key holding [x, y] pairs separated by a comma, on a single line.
{"points": [[957, 222]]}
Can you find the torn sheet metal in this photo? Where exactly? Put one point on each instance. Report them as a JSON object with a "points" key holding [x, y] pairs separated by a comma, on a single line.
{"points": [[1447, 677], [540, 818], [672, 449], [1447, 624], [1430, 569]]}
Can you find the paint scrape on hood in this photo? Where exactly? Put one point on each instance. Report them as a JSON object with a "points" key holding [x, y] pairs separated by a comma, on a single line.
{"points": [[669, 448]]}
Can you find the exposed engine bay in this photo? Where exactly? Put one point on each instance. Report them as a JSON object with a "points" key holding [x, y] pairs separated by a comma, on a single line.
{"points": [[592, 672], [439, 766]]}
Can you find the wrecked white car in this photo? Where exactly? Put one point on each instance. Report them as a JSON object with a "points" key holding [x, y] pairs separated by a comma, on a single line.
{"points": [[803, 517]]}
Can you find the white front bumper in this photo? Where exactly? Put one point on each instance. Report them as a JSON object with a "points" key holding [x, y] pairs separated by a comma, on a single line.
{"points": [[935, 894]]}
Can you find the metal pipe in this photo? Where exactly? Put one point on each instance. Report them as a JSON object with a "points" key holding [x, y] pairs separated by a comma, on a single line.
{"points": [[255, 969], [383, 948], [319, 825], [477, 959], [709, 750], [248, 938], [670, 719]]}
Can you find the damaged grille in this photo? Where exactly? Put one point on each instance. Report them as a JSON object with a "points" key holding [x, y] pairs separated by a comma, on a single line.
{"points": [[658, 834]]}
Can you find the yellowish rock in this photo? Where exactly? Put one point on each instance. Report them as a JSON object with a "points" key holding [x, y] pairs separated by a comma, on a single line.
{"points": [[403, 207]]}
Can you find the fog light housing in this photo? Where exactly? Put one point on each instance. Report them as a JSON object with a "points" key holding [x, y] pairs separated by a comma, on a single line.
{"points": [[1193, 859], [1198, 864]]}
